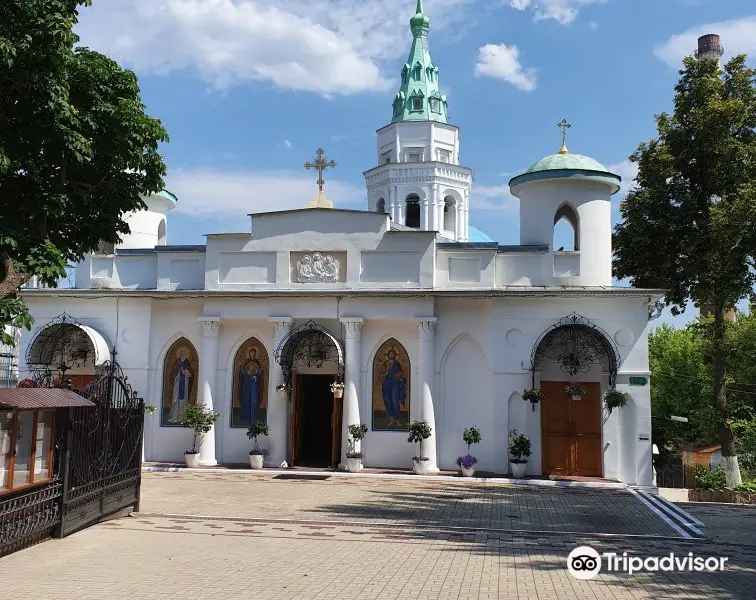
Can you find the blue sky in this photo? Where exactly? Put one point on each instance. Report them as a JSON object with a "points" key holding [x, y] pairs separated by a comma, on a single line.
{"points": [[248, 89]]}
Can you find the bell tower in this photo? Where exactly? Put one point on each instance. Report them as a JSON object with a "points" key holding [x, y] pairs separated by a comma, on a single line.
{"points": [[419, 181]]}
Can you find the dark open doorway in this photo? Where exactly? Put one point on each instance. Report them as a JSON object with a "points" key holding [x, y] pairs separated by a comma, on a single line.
{"points": [[316, 420]]}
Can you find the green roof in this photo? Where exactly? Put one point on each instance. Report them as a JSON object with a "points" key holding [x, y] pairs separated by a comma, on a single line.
{"points": [[567, 161], [419, 97], [168, 196]]}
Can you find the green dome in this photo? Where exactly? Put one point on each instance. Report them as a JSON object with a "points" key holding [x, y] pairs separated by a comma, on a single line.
{"points": [[168, 196], [567, 161], [419, 20]]}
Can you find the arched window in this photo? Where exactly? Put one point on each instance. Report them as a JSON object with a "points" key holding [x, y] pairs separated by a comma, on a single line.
{"points": [[380, 206], [450, 214], [162, 233], [417, 72], [412, 211], [391, 387], [249, 402], [405, 73], [180, 372], [566, 230]]}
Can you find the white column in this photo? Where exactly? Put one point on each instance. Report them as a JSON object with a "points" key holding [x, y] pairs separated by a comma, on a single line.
{"points": [[435, 224], [464, 234], [458, 216], [208, 374], [426, 332], [425, 214], [352, 376], [278, 403]]}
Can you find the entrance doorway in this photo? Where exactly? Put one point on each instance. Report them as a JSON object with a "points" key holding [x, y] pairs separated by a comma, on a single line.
{"points": [[571, 431], [316, 422]]}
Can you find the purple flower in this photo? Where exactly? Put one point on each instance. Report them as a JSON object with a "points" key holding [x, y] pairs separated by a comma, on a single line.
{"points": [[467, 461]]}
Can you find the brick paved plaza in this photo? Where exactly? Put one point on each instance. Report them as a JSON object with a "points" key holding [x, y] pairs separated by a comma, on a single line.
{"points": [[253, 537]]}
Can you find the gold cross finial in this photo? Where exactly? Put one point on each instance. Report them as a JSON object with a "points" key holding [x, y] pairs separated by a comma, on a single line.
{"points": [[320, 164], [564, 126]]}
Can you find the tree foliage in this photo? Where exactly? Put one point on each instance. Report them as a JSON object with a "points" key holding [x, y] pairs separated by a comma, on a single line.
{"points": [[76, 148], [689, 226]]}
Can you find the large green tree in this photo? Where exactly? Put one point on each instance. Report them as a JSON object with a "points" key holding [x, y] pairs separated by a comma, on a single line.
{"points": [[689, 225], [76, 148]]}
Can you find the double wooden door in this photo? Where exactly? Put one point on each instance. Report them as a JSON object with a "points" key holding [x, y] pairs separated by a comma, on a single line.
{"points": [[571, 431], [315, 422]]}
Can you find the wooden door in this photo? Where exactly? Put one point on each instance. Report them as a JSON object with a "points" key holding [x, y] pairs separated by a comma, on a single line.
{"points": [[336, 419], [295, 421], [571, 431]]}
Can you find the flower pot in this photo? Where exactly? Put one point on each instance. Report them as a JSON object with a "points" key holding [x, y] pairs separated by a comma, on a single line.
{"points": [[576, 396], [354, 465], [468, 472], [518, 469], [420, 467], [338, 393], [256, 461], [192, 459]]}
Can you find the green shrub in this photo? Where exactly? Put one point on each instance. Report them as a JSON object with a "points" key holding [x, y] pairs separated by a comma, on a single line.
{"points": [[710, 479], [746, 486]]}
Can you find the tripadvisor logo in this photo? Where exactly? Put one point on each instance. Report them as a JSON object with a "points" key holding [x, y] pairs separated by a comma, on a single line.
{"points": [[585, 563]]}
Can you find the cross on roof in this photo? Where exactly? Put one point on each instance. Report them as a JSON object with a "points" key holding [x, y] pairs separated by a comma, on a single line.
{"points": [[320, 164], [564, 126]]}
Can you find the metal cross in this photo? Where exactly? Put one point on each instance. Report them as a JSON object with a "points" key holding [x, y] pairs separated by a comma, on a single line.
{"points": [[564, 126], [320, 165]]}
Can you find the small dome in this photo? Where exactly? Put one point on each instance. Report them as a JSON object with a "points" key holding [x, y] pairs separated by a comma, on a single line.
{"points": [[420, 20], [567, 161], [476, 235], [168, 196]]}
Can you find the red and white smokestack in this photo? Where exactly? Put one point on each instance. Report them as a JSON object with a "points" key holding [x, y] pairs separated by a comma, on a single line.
{"points": [[709, 46]]}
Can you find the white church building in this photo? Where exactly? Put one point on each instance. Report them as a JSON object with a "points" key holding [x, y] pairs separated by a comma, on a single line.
{"points": [[419, 314]]}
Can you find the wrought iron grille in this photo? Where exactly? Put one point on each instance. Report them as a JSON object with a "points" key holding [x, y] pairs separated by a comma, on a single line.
{"points": [[59, 347], [576, 345], [309, 345]]}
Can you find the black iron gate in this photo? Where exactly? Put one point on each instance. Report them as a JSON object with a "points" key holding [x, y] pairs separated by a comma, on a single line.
{"points": [[97, 466], [102, 453]]}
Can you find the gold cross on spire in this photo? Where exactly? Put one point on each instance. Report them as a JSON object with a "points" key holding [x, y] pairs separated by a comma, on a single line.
{"points": [[320, 164], [564, 126]]}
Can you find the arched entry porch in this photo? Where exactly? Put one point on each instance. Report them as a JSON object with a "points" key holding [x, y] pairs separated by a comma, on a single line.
{"points": [[311, 359], [573, 353], [65, 352]]}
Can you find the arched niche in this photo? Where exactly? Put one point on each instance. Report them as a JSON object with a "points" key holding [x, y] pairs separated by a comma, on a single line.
{"points": [[566, 229], [180, 373], [249, 392], [390, 387], [412, 211]]}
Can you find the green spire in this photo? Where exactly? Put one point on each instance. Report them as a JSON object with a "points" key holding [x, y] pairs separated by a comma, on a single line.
{"points": [[419, 97]]}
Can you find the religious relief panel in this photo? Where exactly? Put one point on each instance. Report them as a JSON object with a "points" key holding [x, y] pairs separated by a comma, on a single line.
{"points": [[250, 391], [180, 371], [391, 388], [318, 267]]}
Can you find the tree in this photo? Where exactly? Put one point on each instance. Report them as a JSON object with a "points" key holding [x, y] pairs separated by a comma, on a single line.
{"points": [[689, 225], [76, 148]]}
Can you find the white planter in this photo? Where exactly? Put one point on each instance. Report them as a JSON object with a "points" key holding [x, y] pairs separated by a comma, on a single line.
{"points": [[420, 467], [576, 396], [192, 460], [338, 393], [468, 472], [518, 469], [354, 465], [256, 461]]}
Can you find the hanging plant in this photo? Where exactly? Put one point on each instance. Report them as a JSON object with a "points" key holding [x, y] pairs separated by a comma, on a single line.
{"points": [[575, 390], [533, 396], [615, 399]]}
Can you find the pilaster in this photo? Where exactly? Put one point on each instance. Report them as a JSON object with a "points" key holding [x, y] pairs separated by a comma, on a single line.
{"points": [[351, 402], [278, 404], [208, 376], [426, 333]]}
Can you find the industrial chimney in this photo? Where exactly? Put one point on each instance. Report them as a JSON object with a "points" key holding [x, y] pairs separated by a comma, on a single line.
{"points": [[709, 47]]}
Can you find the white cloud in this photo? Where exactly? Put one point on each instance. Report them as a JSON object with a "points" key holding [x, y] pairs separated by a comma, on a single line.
{"points": [[593, 25], [323, 46], [493, 198], [628, 171], [738, 36], [503, 62], [287, 143], [561, 11], [218, 193]]}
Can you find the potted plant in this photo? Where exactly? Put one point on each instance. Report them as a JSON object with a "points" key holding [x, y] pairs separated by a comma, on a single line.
{"points": [[354, 458], [419, 431], [533, 396], [519, 451], [257, 454], [471, 435], [200, 420], [574, 390], [337, 389], [615, 399], [283, 388]]}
